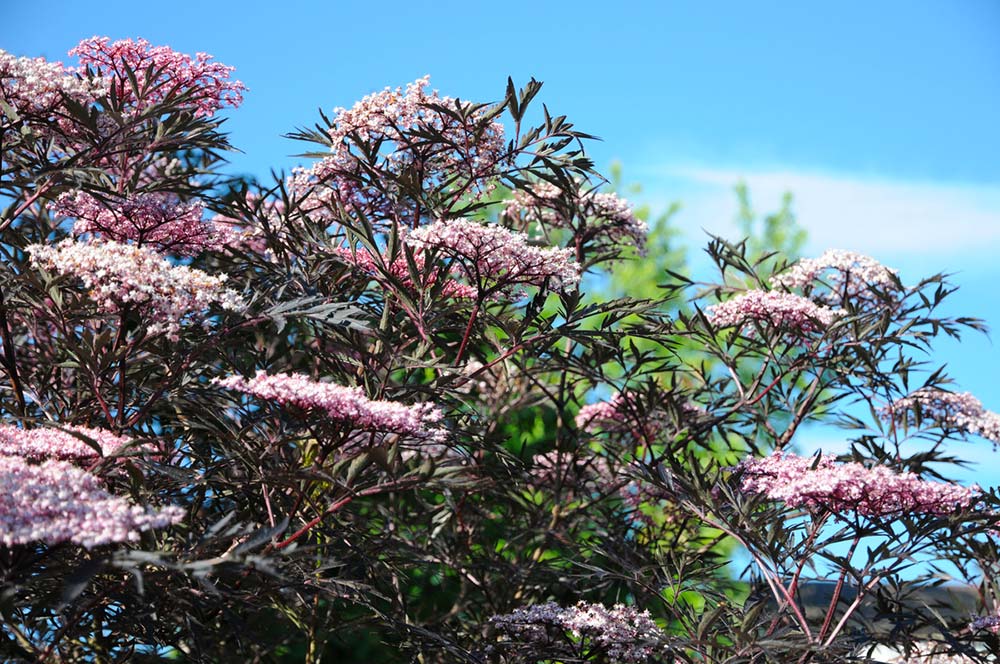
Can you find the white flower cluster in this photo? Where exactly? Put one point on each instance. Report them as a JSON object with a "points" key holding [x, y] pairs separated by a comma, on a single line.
{"points": [[120, 277], [845, 274], [34, 86], [622, 633]]}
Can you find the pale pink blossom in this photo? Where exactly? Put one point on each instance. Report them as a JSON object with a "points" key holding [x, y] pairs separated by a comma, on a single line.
{"points": [[198, 83], [781, 310], [347, 406], [155, 219], [622, 633], [596, 216], [121, 277], [849, 487], [66, 443], [495, 258], [471, 149], [837, 275], [54, 501], [960, 411], [35, 87]]}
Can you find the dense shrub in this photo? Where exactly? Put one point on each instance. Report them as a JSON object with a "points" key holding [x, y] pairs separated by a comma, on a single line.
{"points": [[373, 409]]}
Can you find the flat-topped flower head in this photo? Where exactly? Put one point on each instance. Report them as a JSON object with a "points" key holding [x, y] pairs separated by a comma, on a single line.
{"points": [[121, 277], [838, 275], [451, 143], [35, 87], [196, 82], [158, 220], [604, 218], [621, 633], [785, 311], [495, 258], [55, 501], [823, 483], [62, 444], [346, 406], [958, 411]]}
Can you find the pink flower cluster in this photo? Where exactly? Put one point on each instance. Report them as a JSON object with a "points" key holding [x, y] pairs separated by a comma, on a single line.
{"points": [[399, 270], [55, 501], [604, 215], [960, 411], [838, 268], [65, 444], [120, 277], [346, 405], [782, 310], [204, 85], [157, 219], [496, 259], [399, 123], [35, 87], [849, 487], [838, 276], [622, 633]]}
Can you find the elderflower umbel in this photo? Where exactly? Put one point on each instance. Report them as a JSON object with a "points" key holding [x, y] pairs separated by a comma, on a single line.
{"points": [[470, 147], [622, 633], [782, 310], [120, 277], [849, 487], [845, 273], [58, 444], [960, 411], [497, 259], [346, 405], [204, 86], [35, 87], [55, 501]]}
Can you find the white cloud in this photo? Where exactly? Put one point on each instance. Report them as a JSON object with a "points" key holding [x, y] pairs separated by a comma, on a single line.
{"points": [[871, 215]]}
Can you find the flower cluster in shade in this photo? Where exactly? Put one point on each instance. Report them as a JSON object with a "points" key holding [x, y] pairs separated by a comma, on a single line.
{"points": [[122, 277], [346, 406], [156, 219], [599, 216], [926, 652], [959, 411], [381, 269], [621, 633], [785, 311], [467, 145], [822, 483], [624, 413], [35, 87], [496, 259], [195, 83], [54, 501], [988, 622], [843, 275], [67, 444]]}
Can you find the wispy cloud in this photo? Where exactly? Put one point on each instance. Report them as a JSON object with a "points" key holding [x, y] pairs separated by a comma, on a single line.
{"points": [[872, 215]]}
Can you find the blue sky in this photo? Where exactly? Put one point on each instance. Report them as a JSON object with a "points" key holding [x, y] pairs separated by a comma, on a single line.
{"points": [[881, 118]]}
